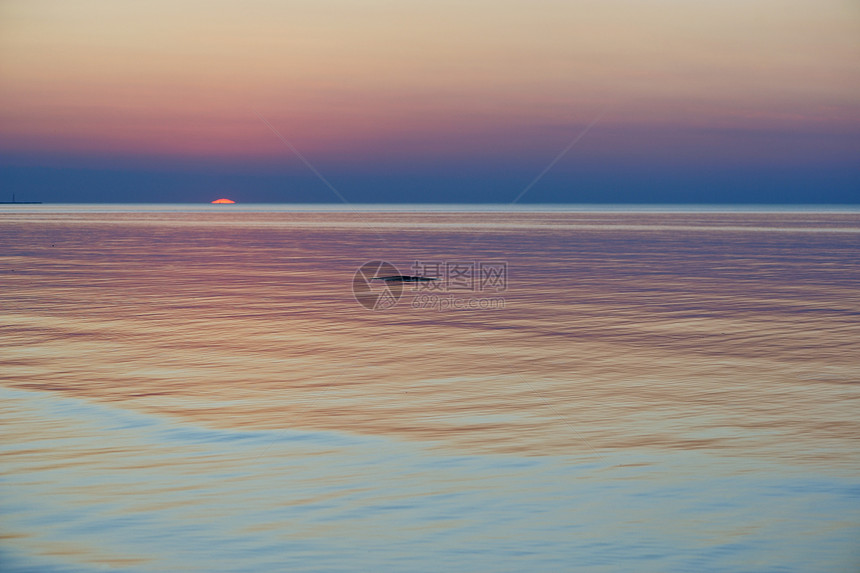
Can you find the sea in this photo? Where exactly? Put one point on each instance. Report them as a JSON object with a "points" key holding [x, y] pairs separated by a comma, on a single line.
{"points": [[232, 388]]}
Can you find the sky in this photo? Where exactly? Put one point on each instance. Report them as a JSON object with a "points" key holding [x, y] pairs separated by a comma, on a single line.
{"points": [[689, 101]]}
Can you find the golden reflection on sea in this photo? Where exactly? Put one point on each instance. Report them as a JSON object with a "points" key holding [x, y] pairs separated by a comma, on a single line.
{"points": [[738, 334]]}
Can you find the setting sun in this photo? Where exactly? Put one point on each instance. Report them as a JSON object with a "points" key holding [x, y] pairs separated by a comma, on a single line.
{"points": [[223, 201]]}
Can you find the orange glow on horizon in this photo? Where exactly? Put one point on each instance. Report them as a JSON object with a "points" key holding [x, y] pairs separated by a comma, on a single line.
{"points": [[223, 201]]}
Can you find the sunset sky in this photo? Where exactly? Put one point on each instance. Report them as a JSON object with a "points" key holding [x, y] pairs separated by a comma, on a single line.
{"points": [[699, 101]]}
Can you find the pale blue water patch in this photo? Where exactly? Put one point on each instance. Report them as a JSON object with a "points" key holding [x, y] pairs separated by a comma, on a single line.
{"points": [[89, 487]]}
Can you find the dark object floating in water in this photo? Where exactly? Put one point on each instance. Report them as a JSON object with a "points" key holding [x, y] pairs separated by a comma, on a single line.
{"points": [[14, 202], [404, 279]]}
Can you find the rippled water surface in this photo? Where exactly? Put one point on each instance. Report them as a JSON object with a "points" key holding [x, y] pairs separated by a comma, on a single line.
{"points": [[199, 390]]}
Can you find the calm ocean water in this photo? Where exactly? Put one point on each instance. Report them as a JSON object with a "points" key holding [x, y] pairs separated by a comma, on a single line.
{"points": [[198, 389]]}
